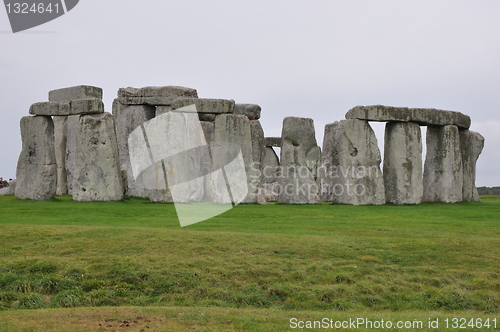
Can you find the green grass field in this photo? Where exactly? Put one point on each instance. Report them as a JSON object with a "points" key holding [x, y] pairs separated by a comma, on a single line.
{"points": [[71, 266]]}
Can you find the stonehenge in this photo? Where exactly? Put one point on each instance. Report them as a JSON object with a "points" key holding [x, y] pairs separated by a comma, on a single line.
{"points": [[167, 144]]}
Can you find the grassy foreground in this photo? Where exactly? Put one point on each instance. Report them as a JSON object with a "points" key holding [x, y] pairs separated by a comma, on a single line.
{"points": [[430, 260]]}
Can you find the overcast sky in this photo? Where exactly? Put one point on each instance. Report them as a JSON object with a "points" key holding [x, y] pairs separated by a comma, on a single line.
{"points": [[314, 59]]}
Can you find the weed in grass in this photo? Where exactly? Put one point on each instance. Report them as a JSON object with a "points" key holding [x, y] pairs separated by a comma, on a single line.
{"points": [[69, 299], [30, 301]]}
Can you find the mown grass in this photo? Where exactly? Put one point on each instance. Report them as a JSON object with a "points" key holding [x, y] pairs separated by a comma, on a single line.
{"points": [[334, 258], [167, 319]]}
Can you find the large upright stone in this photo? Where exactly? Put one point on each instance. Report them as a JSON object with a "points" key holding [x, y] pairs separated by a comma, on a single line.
{"points": [[270, 186], [300, 158], [236, 129], [72, 129], [472, 145], [36, 168], [403, 163], [60, 138], [97, 175], [128, 118], [76, 92], [443, 172], [259, 150], [206, 160], [422, 116], [325, 169], [356, 175]]}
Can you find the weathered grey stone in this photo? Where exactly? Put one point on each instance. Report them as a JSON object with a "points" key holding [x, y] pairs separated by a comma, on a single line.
{"points": [[154, 95], [472, 145], [251, 111], [60, 137], [174, 139], [270, 165], [258, 146], [162, 110], [300, 158], [206, 160], [324, 171], [86, 106], [236, 129], [356, 175], [36, 168], [273, 142], [422, 116], [97, 175], [443, 171], [72, 128], [403, 163], [128, 118], [151, 101], [10, 190], [66, 108], [258, 150], [158, 91], [270, 191], [50, 108], [270, 185], [203, 105], [75, 92], [207, 117]]}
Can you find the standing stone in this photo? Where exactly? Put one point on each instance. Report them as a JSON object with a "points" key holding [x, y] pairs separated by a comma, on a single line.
{"points": [[270, 184], [60, 138], [128, 118], [206, 159], [472, 145], [236, 129], [36, 168], [356, 175], [97, 175], [443, 172], [259, 150], [72, 128], [403, 163], [324, 172], [300, 158]]}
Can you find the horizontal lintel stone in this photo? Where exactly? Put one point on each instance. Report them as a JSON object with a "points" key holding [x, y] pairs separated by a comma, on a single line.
{"points": [[66, 108], [273, 142], [204, 105], [422, 116], [251, 111], [75, 92], [157, 91]]}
